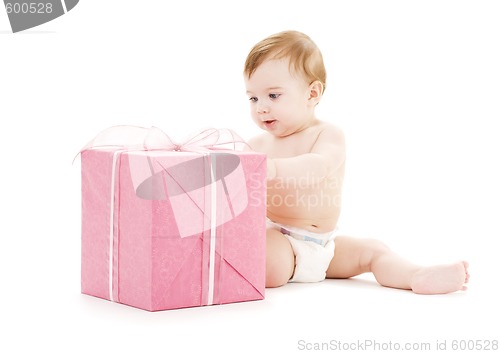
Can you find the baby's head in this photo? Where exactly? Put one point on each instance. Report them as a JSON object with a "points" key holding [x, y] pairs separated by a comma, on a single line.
{"points": [[285, 79], [304, 56]]}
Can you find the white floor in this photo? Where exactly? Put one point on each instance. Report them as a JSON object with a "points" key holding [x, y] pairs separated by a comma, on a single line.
{"points": [[49, 315]]}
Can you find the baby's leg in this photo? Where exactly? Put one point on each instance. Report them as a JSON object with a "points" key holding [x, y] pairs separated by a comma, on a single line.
{"points": [[356, 256], [280, 260]]}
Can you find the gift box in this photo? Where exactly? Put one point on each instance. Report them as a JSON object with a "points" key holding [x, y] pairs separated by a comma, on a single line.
{"points": [[172, 226]]}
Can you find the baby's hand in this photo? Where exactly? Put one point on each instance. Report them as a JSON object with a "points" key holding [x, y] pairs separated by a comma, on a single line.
{"points": [[271, 169]]}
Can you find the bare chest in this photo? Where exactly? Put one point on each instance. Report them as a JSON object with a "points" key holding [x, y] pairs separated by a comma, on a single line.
{"points": [[290, 146]]}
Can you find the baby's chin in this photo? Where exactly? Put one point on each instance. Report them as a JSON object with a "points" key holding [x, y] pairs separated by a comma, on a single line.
{"points": [[281, 132], [275, 127]]}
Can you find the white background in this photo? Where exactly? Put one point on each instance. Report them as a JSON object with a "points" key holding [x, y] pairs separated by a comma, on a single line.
{"points": [[415, 85]]}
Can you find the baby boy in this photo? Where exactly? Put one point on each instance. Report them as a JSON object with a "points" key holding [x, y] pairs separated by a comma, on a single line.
{"points": [[285, 79]]}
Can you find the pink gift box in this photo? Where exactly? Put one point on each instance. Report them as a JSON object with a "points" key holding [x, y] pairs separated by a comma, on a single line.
{"points": [[172, 229]]}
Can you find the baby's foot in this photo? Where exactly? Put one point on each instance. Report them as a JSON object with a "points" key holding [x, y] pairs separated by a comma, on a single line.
{"points": [[441, 279]]}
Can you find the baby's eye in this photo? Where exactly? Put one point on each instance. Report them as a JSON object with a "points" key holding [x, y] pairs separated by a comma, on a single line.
{"points": [[274, 96], [253, 99]]}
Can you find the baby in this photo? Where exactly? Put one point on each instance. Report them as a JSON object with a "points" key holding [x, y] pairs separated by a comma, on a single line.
{"points": [[285, 79]]}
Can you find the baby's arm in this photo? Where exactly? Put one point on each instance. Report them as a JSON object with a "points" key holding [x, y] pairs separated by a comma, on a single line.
{"points": [[327, 155]]}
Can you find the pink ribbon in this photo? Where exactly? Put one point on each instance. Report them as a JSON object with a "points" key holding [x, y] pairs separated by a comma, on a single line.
{"points": [[130, 137]]}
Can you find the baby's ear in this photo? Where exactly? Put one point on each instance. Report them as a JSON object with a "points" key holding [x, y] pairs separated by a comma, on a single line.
{"points": [[315, 92]]}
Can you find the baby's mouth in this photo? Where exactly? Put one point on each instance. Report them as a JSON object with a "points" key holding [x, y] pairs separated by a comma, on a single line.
{"points": [[268, 123]]}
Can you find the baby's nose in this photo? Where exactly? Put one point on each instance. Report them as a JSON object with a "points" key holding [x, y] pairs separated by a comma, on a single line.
{"points": [[262, 108]]}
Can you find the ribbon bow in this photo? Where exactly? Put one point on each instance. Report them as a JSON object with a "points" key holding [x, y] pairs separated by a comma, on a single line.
{"points": [[130, 137]]}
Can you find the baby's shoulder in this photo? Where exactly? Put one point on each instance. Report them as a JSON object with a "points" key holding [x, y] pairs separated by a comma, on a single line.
{"points": [[330, 131], [259, 142]]}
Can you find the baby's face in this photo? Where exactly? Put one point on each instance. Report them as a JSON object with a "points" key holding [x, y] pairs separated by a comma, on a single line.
{"points": [[279, 100]]}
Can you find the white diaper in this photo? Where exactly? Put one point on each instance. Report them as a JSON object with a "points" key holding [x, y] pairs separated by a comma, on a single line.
{"points": [[313, 252]]}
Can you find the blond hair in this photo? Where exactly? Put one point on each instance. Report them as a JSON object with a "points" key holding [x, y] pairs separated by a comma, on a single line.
{"points": [[305, 57]]}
